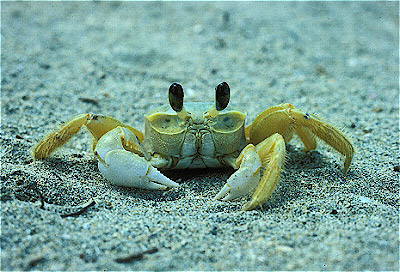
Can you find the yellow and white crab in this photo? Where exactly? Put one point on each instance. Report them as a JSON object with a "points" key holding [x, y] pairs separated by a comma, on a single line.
{"points": [[199, 135]]}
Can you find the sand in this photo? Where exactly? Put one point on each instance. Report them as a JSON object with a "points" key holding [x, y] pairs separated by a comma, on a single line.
{"points": [[338, 60]]}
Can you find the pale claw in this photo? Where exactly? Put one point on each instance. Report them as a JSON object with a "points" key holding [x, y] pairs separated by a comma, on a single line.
{"points": [[242, 182], [245, 179], [124, 168]]}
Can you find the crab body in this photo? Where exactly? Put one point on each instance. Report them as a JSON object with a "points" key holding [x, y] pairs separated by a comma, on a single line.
{"points": [[198, 141], [200, 135]]}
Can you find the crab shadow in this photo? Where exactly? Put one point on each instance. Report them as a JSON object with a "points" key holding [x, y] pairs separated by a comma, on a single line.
{"points": [[300, 160], [200, 180], [204, 182], [149, 195], [56, 180]]}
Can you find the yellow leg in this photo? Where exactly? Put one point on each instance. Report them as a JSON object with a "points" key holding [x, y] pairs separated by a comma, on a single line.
{"points": [[56, 139], [328, 133], [272, 154], [98, 125], [307, 137], [286, 119], [272, 120]]}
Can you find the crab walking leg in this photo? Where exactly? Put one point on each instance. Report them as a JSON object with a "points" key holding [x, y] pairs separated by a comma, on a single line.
{"points": [[328, 133], [306, 137], [270, 121], [98, 125], [286, 119], [56, 139], [124, 168], [246, 178], [272, 153]]}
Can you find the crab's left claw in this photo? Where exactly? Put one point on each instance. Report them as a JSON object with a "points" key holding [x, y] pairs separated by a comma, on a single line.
{"points": [[246, 178], [269, 156], [124, 168]]}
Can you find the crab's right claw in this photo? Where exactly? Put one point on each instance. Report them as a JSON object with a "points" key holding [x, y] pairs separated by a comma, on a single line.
{"points": [[124, 168]]}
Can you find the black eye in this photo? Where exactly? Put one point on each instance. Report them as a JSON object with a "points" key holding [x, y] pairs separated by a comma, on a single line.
{"points": [[222, 96], [175, 97]]}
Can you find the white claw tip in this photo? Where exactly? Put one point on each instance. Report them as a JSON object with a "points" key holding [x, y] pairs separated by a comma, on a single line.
{"points": [[222, 193]]}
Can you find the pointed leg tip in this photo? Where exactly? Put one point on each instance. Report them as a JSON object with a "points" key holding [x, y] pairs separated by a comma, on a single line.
{"points": [[38, 156], [346, 167], [249, 206], [168, 182]]}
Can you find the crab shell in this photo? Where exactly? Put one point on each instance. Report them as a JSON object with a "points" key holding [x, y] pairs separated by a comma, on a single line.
{"points": [[198, 141]]}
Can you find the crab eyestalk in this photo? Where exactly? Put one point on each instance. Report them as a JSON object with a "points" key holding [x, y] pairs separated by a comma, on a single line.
{"points": [[175, 97], [222, 95]]}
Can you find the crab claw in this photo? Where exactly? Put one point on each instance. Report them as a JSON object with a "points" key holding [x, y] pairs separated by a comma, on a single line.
{"points": [[245, 179], [124, 168], [242, 182]]}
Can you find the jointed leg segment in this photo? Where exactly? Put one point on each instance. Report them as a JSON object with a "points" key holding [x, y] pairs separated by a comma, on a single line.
{"points": [[286, 119], [326, 132], [97, 125], [58, 138]]}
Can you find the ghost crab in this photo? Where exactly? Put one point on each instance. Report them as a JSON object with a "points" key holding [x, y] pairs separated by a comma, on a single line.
{"points": [[199, 135]]}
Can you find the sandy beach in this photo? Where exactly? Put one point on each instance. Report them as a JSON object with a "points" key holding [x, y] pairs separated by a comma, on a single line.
{"points": [[338, 60]]}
